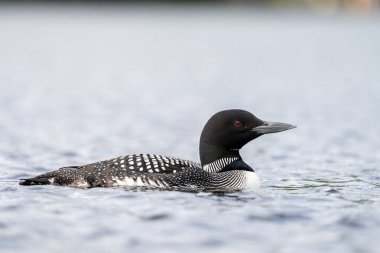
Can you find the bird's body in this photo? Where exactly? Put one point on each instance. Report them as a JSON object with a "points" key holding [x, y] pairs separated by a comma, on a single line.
{"points": [[152, 171], [221, 164]]}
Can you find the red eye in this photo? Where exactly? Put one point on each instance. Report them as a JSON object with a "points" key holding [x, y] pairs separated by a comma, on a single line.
{"points": [[237, 123]]}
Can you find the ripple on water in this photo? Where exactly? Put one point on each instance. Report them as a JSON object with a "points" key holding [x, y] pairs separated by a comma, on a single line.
{"points": [[69, 154], [279, 217], [8, 189], [156, 217], [333, 191], [351, 222], [212, 242], [101, 233]]}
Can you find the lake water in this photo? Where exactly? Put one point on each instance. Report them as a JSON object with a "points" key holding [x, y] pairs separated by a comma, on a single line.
{"points": [[82, 84]]}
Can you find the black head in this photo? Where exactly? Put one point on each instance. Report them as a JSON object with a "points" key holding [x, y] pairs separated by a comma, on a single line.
{"points": [[228, 131]]}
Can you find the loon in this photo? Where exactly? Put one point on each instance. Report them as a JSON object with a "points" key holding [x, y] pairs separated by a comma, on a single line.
{"points": [[221, 166]]}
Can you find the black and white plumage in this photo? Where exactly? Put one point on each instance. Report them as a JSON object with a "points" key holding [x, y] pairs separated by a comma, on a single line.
{"points": [[221, 165]]}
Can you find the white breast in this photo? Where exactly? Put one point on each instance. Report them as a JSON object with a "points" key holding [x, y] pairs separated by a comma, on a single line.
{"points": [[252, 180], [235, 180]]}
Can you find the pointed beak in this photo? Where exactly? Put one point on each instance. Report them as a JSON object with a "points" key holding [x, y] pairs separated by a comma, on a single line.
{"points": [[272, 127]]}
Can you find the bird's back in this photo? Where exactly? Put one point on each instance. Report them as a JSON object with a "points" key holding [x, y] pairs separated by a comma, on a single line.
{"points": [[130, 170]]}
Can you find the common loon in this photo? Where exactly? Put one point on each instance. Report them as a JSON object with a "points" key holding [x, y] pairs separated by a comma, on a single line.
{"points": [[221, 165]]}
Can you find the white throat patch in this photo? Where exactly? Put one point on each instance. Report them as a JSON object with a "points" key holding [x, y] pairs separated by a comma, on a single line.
{"points": [[219, 164]]}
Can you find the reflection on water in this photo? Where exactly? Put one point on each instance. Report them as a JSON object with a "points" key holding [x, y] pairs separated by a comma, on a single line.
{"points": [[84, 85]]}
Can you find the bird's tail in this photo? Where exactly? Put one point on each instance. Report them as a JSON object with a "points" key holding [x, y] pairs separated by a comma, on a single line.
{"points": [[63, 176], [47, 178]]}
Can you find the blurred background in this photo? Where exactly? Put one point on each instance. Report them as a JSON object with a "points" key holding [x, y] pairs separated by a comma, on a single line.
{"points": [[84, 81], [307, 4]]}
